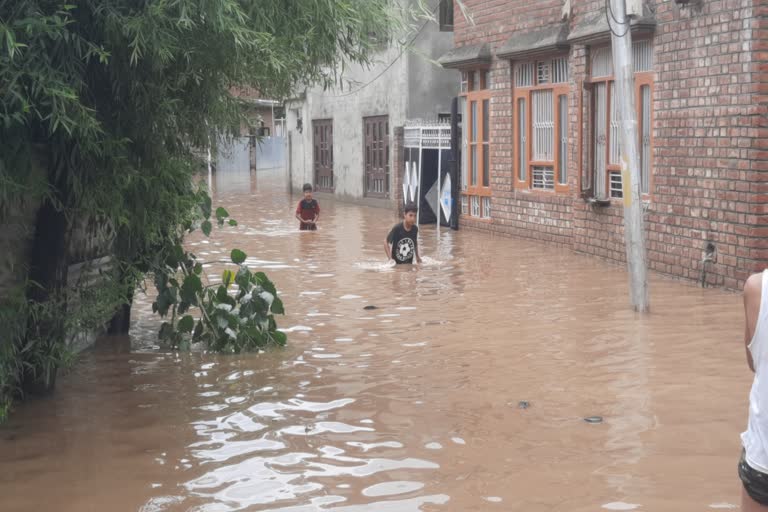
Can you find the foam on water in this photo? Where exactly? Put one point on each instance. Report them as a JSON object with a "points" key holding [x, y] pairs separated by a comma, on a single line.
{"points": [[392, 488], [297, 328], [376, 266], [620, 505]]}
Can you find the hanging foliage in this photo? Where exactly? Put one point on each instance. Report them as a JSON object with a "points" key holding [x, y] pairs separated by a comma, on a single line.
{"points": [[109, 103]]}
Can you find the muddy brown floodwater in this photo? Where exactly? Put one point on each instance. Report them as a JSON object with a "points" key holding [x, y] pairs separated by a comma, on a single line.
{"points": [[413, 406]]}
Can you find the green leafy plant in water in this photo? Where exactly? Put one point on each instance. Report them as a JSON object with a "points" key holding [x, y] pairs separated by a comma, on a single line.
{"points": [[112, 100], [220, 317]]}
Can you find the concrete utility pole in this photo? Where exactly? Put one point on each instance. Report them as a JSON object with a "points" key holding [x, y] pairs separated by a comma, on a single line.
{"points": [[634, 231]]}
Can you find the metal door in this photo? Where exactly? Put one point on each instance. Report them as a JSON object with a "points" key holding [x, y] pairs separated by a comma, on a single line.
{"points": [[322, 130], [376, 154]]}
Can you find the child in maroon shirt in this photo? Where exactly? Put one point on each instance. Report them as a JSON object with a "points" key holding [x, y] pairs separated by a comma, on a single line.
{"points": [[308, 210]]}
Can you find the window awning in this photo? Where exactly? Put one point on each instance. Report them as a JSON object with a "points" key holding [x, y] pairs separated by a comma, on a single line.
{"points": [[545, 40], [466, 56], [594, 28]]}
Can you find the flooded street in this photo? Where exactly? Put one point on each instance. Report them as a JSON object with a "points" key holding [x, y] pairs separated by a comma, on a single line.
{"points": [[465, 389]]}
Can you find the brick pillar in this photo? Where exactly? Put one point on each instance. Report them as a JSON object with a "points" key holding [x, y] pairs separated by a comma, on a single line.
{"points": [[398, 159]]}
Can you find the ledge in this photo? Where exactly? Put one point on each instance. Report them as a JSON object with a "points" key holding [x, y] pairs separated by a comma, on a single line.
{"points": [[545, 40], [594, 28], [466, 56]]}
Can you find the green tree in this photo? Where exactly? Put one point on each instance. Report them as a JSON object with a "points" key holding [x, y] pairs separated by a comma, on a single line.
{"points": [[103, 104]]}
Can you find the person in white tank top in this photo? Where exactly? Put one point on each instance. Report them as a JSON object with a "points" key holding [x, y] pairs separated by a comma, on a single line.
{"points": [[753, 466]]}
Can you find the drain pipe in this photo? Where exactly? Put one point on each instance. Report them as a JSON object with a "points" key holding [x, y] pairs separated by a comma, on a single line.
{"points": [[710, 256]]}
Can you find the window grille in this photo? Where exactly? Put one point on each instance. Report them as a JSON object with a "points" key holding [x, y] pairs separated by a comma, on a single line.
{"points": [[645, 146], [543, 72], [562, 161], [602, 62], [543, 126], [543, 178], [486, 207], [617, 191], [642, 56], [615, 137], [642, 59], [560, 73], [524, 74], [601, 139], [475, 206]]}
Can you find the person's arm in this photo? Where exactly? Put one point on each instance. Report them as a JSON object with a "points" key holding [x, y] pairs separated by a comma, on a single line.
{"points": [[317, 212], [752, 295], [298, 214], [388, 244], [418, 256]]}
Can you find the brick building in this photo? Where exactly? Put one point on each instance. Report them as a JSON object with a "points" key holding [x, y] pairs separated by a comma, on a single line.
{"points": [[541, 149]]}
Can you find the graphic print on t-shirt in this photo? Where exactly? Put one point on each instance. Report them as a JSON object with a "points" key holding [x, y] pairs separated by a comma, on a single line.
{"points": [[405, 249], [404, 243]]}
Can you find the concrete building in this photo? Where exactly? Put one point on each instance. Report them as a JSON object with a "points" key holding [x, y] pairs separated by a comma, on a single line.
{"points": [[536, 80], [341, 140]]}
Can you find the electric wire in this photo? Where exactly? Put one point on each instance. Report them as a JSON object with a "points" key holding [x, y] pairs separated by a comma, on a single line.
{"points": [[387, 68], [609, 14]]}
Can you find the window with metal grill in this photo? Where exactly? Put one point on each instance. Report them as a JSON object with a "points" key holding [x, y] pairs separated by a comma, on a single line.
{"points": [[486, 207], [475, 200], [604, 141], [540, 124], [616, 189], [475, 102], [543, 178]]}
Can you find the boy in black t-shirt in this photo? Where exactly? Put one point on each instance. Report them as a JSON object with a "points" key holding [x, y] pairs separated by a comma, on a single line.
{"points": [[308, 210], [402, 244]]}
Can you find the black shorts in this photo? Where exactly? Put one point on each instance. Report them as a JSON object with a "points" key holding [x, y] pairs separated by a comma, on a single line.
{"points": [[755, 482]]}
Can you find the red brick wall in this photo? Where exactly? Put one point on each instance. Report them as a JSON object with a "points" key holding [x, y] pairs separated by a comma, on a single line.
{"points": [[710, 147], [495, 21]]}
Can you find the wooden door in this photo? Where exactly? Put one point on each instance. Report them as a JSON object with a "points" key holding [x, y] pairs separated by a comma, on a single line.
{"points": [[376, 155], [323, 154]]}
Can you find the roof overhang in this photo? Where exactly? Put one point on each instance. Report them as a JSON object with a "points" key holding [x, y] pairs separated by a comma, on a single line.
{"points": [[466, 57], [594, 28], [538, 42]]}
